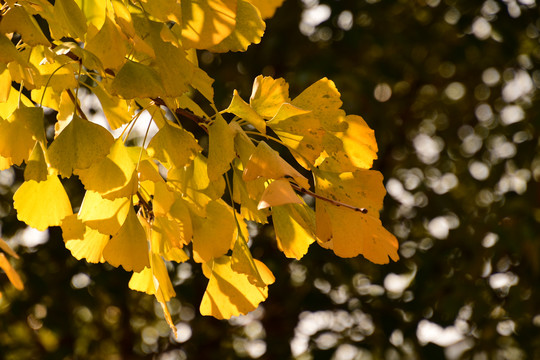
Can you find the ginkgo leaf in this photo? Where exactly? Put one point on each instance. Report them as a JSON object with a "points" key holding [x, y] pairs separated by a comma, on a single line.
{"points": [[221, 148], [278, 192], [247, 194], [8, 51], [18, 134], [82, 241], [166, 234], [136, 80], [7, 249], [241, 109], [94, 11], [5, 163], [268, 95], [111, 173], [249, 29], [153, 280], [164, 10], [176, 255], [230, 293], [116, 110], [163, 198], [36, 166], [242, 143], [180, 212], [129, 247], [70, 18], [265, 162], [103, 215], [346, 231], [42, 204], [207, 23], [242, 261], [213, 235], [78, 146], [173, 146], [267, 7], [287, 111], [294, 225], [109, 45], [12, 275], [359, 142], [12, 103], [16, 19], [5, 80]]}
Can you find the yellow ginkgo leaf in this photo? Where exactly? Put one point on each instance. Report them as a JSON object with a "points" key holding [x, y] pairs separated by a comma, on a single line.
{"points": [[111, 173], [230, 293], [12, 275], [116, 110], [165, 234], [5, 80], [268, 95], [154, 280], [359, 142], [164, 10], [278, 192], [249, 29], [206, 23], [82, 241], [163, 198], [265, 162], [136, 80], [5, 163], [16, 19], [18, 134], [247, 195], [173, 146], [221, 148], [78, 146], [294, 225], [70, 19], [346, 231], [94, 10], [129, 247], [287, 111], [176, 255], [180, 212], [242, 261], [36, 166], [12, 103], [267, 7], [213, 235], [241, 109], [42, 204], [103, 215], [8, 51], [242, 143], [109, 45], [5, 247]]}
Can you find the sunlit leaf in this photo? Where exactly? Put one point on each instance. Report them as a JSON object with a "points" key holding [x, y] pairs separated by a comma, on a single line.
{"points": [[16, 19], [128, 248], [103, 215], [42, 204], [221, 149], [5, 82], [278, 192], [12, 275], [5, 247], [18, 134], [266, 163], [78, 146], [268, 95], [230, 293], [116, 110], [135, 80], [109, 45], [267, 7], [82, 241], [70, 17], [153, 280], [241, 109], [249, 29], [213, 235], [173, 146], [294, 225], [94, 11], [8, 52], [36, 166], [206, 23]]}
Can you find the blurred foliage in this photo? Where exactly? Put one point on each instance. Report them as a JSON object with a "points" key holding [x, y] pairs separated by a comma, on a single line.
{"points": [[450, 89]]}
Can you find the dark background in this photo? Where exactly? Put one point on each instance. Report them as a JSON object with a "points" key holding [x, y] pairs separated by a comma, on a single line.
{"points": [[449, 88]]}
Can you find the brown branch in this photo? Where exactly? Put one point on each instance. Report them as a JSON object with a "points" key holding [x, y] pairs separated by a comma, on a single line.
{"points": [[76, 102], [333, 202], [201, 122]]}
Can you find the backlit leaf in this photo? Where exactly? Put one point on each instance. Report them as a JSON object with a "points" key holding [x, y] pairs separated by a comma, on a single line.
{"points": [[104, 215], [241, 109], [78, 146], [294, 225], [42, 204], [248, 30], [82, 241], [266, 163], [18, 20], [173, 146], [109, 45], [267, 7], [206, 23], [135, 80], [36, 166], [12, 275], [213, 235], [268, 95], [230, 293], [128, 248], [221, 149], [278, 192]]}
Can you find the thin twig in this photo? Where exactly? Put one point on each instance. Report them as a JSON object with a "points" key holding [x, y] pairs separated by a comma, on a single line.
{"points": [[333, 202]]}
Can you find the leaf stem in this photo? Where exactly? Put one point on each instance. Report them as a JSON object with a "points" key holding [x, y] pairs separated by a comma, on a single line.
{"points": [[333, 202], [47, 84]]}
